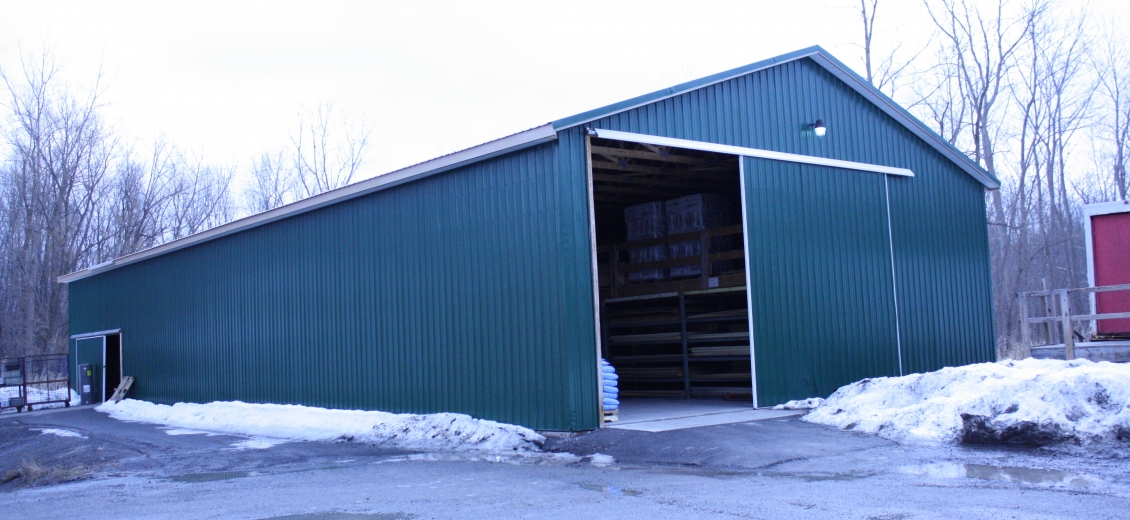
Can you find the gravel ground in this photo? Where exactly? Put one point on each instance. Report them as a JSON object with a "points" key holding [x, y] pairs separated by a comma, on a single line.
{"points": [[778, 468]]}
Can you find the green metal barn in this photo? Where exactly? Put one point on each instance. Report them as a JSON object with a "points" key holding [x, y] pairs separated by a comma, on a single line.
{"points": [[850, 241]]}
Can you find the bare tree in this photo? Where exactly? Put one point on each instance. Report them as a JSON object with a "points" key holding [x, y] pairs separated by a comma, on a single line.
{"points": [[72, 197], [1014, 85], [133, 220], [58, 159], [981, 48], [328, 149], [200, 200], [885, 73], [1114, 82], [272, 183]]}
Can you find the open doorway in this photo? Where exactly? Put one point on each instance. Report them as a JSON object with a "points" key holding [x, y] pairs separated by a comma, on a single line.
{"points": [[103, 352], [113, 365], [670, 260]]}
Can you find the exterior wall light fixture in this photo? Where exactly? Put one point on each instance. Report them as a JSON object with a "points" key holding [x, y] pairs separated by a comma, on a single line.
{"points": [[818, 128]]}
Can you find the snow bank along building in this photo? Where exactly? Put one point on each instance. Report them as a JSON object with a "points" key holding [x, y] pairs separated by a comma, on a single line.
{"points": [[770, 232]]}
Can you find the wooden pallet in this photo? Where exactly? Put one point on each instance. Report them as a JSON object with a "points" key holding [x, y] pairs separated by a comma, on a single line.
{"points": [[611, 415], [122, 390]]}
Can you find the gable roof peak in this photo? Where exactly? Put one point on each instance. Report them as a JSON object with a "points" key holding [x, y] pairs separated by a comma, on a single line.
{"points": [[834, 66]]}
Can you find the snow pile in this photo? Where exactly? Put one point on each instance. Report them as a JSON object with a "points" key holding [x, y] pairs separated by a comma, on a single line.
{"points": [[802, 404], [441, 431], [1031, 401]]}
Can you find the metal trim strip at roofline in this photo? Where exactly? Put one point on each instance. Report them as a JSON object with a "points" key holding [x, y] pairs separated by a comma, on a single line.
{"points": [[86, 335], [682, 88], [748, 152], [829, 63], [511, 143]]}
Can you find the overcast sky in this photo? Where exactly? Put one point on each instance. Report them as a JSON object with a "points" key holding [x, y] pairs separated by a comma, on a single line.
{"points": [[227, 79]]}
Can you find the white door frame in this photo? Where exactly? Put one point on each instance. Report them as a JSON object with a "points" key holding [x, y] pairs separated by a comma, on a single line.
{"points": [[102, 334]]}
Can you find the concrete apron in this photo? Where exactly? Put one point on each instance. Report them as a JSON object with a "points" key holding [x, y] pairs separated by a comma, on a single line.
{"points": [[660, 415]]}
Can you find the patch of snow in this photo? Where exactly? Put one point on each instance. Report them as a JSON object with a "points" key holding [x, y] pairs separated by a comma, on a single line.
{"points": [[441, 431], [1030, 401], [60, 433], [257, 443], [183, 431], [802, 404], [601, 460]]}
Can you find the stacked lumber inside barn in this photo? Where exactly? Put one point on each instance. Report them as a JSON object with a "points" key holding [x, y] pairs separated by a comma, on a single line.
{"points": [[671, 268]]}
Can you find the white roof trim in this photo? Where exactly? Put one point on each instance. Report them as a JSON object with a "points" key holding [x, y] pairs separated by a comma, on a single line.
{"points": [[677, 93], [96, 334], [531, 137], [748, 152], [1106, 208]]}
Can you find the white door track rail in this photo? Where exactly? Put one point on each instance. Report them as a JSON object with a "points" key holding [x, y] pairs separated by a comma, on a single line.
{"points": [[747, 152]]}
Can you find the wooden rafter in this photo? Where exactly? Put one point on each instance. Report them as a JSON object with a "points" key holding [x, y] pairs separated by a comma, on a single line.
{"points": [[641, 191], [641, 181], [648, 155], [639, 168]]}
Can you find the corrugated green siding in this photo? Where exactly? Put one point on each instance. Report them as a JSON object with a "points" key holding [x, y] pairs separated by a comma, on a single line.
{"points": [[938, 222], [820, 278], [941, 256], [465, 292], [471, 290]]}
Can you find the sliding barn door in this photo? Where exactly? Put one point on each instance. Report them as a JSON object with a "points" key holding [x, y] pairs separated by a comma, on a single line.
{"points": [[820, 280]]}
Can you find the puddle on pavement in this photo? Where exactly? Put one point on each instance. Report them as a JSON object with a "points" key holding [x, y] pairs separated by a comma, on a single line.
{"points": [[813, 477], [522, 458], [209, 477], [1032, 476], [184, 431], [257, 443], [612, 490], [342, 516]]}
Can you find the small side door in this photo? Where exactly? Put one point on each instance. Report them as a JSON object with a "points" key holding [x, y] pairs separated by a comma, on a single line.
{"points": [[91, 350]]}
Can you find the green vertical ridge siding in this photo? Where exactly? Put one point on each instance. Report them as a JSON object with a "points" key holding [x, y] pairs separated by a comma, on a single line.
{"points": [[462, 292], [820, 278], [941, 245], [938, 223], [471, 290]]}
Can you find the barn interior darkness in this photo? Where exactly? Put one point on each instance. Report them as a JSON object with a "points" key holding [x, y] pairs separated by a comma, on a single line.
{"points": [[671, 269]]}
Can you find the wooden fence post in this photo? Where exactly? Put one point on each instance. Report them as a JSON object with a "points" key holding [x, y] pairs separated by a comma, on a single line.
{"points": [[1068, 330], [1025, 333]]}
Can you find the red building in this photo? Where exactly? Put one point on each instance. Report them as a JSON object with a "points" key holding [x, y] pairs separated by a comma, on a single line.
{"points": [[1108, 261]]}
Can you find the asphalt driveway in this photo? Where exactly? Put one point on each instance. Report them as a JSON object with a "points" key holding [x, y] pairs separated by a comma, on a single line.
{"points": [[81, 462]]}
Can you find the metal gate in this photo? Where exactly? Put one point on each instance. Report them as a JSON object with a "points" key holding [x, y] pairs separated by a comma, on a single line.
{"points": [[26, 382]]}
